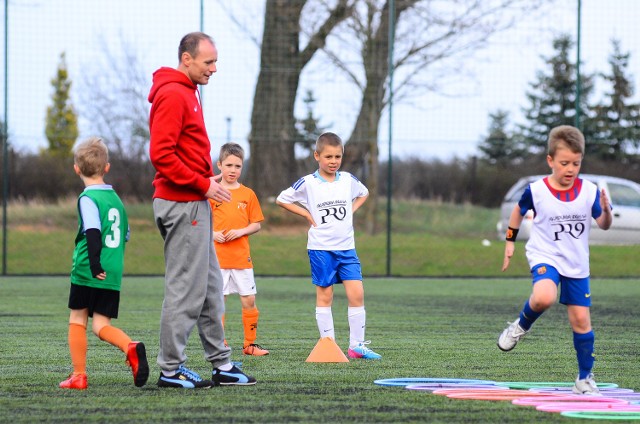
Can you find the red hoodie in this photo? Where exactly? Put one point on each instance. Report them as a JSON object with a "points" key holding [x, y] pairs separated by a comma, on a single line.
{"points": [[180, 150]]}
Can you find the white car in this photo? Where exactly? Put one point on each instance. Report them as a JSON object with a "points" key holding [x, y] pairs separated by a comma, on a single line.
{"points": [[623, 194]]}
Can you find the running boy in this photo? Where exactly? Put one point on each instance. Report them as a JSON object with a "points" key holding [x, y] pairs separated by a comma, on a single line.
{"points": [[558, 248], [233, 223], [327, 199], [96, 273]]}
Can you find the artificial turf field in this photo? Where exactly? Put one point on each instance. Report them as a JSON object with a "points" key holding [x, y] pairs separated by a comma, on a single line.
{"points": [[427, 328]]}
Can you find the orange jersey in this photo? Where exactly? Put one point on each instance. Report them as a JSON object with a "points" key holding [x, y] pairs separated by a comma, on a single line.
{"points": [[242, 210]]}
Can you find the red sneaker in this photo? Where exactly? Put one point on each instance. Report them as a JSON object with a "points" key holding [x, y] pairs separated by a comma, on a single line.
{"points": [[75, 381], [137, 360], [255, 350]]}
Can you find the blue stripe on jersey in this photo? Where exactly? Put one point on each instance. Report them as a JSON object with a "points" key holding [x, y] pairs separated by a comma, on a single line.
{"points": [[566, 195], [298, 183], [355, 178]]}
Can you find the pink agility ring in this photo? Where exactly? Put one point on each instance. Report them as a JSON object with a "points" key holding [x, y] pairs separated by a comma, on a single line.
{"points": [[536, 401], [587, 406]]}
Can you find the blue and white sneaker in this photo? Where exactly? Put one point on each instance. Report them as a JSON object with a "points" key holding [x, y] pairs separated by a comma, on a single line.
{"points": [[185, 379], [586, 386], [233, 377], [361, 351]]}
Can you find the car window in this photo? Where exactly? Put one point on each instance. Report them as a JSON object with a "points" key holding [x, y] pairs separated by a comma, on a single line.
{"points": [[515, 193], [623, 195]]}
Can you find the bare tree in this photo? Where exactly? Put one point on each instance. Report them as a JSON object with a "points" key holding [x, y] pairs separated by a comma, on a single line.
{"points": [[115, 107], [282, 60], [432, 40], [115, 100]]}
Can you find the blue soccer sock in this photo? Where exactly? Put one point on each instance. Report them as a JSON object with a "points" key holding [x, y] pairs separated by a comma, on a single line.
{"points": [[528, 316], [583, 344]]}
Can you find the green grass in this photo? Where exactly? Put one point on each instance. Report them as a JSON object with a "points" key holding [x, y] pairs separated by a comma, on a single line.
{"points": [[427, 239], [438, 328]]}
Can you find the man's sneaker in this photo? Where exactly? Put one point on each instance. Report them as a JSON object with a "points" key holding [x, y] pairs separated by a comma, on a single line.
{"points": [[233, 377], [511, 335], [586, 386], [75, 381], [362, 351], [254, 350], [184, 378], [137, 360]]}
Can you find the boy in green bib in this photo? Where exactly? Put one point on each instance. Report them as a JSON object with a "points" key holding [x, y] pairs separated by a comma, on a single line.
{"points": [[96, 273]]}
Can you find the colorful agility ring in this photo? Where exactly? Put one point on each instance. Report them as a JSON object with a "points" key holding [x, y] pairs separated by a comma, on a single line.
{"points": [[609, 415], [540, 384], [407, 381]]}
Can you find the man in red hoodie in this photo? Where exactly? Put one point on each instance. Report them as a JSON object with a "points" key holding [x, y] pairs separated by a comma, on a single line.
{"points": [[184, 180]]}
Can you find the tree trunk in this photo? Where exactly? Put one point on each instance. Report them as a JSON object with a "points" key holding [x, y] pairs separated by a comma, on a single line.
{"points": [[272, 167], [272, 164], [361, 151]]}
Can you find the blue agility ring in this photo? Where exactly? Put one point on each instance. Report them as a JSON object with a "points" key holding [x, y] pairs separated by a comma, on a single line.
{"points": [[430, 387], [407, 381]]}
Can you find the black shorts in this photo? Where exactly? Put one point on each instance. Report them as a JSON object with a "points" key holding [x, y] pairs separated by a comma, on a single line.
{"points": [[103, 301]]}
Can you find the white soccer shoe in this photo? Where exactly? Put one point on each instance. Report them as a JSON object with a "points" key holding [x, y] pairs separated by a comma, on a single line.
{"points": [[586, 386], [510, 336]]}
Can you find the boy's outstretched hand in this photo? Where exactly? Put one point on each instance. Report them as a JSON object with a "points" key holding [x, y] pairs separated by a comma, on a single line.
{"points": [[605, 219], [508, 253]]}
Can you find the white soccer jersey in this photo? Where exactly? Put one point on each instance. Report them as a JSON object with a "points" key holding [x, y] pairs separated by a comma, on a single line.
{"points": [[560, 231], [330, 205]]}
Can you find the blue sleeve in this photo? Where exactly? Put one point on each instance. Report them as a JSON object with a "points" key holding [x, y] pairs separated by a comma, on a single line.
{"points": [[596, 209], [526, 201]]}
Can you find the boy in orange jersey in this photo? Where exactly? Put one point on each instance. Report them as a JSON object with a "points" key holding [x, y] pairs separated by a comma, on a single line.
{"points": [[233, 223]]}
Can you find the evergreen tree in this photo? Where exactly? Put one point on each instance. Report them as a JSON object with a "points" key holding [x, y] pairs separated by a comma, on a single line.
{"points": [[308, 129], [553, 98], [617, 122], [62, 122], [500, 147]]}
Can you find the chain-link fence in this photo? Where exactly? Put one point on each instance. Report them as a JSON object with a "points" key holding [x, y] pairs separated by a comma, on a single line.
{"points": [[453, 65]]}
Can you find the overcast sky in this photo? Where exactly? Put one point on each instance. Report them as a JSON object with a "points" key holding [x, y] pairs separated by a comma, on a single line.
{"points": [[433, 126]]}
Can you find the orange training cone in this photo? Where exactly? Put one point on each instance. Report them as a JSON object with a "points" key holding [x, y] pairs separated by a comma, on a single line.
{"points": [[326, 350]]}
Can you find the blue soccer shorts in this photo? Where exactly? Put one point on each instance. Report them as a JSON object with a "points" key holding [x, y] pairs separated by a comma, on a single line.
{"points": [[329, 267], [573, 291]]}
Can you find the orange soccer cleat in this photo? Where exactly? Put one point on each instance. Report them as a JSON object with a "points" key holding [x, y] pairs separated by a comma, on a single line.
{"points": [[255, 350], [75, 381], [137, 360]]}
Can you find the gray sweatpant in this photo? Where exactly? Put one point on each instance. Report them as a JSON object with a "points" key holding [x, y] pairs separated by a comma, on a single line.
{"points": [[193, 284]]}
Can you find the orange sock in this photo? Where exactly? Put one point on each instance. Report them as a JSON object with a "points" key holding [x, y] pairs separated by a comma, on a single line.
{"points": [[250, 324], [78, 348], [115, 336], [225, 339]]}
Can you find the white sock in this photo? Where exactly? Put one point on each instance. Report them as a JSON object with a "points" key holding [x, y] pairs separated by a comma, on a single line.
{"points": [[226, 367], [324, 318], [357, 322]]}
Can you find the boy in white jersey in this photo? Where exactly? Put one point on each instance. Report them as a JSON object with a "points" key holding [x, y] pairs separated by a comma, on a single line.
{"points": [[327, 199], [558, 248]]}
